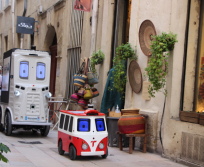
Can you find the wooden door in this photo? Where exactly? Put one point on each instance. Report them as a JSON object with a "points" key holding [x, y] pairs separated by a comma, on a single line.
{"points": [[53, 50]]}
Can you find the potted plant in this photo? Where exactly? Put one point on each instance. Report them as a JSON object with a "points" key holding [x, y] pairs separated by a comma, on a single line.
{"points": [[96, 58], [157, 68], [123, 52]]}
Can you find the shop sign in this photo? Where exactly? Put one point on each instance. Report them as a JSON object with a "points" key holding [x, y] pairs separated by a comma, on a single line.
{"points": [[25, 25], [83, 5]]}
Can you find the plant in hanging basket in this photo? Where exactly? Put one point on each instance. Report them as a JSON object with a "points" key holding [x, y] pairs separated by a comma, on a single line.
{"points": [[96, 58], [123, 52], [157, 68]]}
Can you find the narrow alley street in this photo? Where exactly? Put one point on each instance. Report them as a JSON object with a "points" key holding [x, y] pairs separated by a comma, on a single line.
{"points": [[46, 154]]}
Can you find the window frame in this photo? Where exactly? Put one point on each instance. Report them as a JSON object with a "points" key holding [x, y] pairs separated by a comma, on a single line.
{"points": [[39, 79], [6, 3], [103, 125], [61, 123], [187, 98], [71, 124], [1, 5], [66, 123], [89, 128], [20, 70]]}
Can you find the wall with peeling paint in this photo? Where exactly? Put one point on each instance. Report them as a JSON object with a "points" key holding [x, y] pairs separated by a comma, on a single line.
{"points": [[54, 18]]}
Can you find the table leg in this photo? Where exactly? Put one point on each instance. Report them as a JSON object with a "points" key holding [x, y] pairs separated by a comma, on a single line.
{"points": [[130, 144], [145, 144], [133, 145], [57, 122], [120, 142]]}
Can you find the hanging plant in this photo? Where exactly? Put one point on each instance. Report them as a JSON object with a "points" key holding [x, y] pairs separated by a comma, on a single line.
{"points": [[96, 58], [157, 68], [123, 52]]}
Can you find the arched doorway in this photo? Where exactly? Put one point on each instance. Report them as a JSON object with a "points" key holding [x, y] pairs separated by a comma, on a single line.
{"points": [[51, 46]]}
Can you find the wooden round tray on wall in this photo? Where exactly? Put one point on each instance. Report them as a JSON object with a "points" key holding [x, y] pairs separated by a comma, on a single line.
{"points": [[146, 31], [135, 76]]}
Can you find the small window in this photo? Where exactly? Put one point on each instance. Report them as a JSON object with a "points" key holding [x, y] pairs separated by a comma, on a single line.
{"points": [[24, 69], [40, 71], [61, 121], [66, 122], [7, 3], [0, 5], [83, 125], [100, 126], [71, 124]]}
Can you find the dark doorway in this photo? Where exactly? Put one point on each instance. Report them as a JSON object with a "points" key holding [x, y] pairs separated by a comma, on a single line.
{"points": [[53, 50], [121, 24]]}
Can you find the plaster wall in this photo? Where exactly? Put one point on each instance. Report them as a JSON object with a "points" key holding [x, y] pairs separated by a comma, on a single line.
{"points": [[162, 23], [167, 16], [5, 29], [47, 24], [106, 44], [172, 126]]}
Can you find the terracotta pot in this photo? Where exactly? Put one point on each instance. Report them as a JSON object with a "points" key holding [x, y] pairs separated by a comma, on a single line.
{"points": [[131, 122]]}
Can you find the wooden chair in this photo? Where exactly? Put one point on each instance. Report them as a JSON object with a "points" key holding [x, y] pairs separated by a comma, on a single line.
{"points": [[132, 138]]}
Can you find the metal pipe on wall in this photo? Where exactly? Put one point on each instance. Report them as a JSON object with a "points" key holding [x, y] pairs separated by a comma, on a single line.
{"points": [[24, 12], [13, 19], [94, 26]]}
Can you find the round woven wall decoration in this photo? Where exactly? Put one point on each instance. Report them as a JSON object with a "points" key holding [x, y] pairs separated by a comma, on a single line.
{"points": [[201, 91], [135, 76], [146, 31]]}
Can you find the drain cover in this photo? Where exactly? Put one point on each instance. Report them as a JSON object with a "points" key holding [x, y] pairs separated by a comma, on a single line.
{"points": [[32, 142]]}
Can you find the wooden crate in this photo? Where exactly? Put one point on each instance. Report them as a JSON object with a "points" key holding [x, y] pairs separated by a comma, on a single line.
{"points": [[192, 117], [113, 114], [201, 120]]}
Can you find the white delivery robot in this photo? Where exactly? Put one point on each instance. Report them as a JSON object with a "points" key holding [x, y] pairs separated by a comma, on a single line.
{"points": [[25, 91]]}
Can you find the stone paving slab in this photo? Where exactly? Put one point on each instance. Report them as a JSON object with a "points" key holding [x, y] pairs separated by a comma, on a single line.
{"points": [[46, 154]]}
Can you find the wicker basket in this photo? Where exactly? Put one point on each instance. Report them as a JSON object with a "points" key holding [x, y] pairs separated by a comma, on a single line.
{"points": [[131, 122]]}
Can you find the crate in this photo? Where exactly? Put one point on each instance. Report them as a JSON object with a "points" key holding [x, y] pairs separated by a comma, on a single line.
{"points": [[192, 117], [114, 114], [201, 120]]}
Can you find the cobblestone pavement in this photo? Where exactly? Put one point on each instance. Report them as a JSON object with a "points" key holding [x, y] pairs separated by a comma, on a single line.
{"points": [[46, 154]]}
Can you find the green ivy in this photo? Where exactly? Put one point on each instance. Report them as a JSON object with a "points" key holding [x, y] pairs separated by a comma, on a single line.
{"points": [[157, 68], [123, 52], [3, 148], [96, 58]]}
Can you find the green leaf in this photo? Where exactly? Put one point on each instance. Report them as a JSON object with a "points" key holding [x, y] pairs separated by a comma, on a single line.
{"points": [[4, 159]]}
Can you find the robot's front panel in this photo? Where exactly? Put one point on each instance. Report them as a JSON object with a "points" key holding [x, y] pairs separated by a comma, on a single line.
{"points": [[31, 84]]}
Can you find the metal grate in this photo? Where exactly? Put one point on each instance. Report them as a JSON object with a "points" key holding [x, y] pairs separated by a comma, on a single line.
{"points": [[74, 50], [33, 99], [32, 142], [192, 146]]}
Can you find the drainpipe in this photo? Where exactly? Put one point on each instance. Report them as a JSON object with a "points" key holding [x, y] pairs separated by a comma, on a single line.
{"points": [[13, 19], [24, 12], [94, 25]]}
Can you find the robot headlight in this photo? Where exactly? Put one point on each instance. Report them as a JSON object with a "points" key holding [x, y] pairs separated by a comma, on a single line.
{"points": [[84, 146], [101, 146], [48, 95], [17, 93]]}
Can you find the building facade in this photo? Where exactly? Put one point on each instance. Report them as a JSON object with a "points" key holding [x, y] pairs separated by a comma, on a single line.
{"points": [[72, 35]]}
